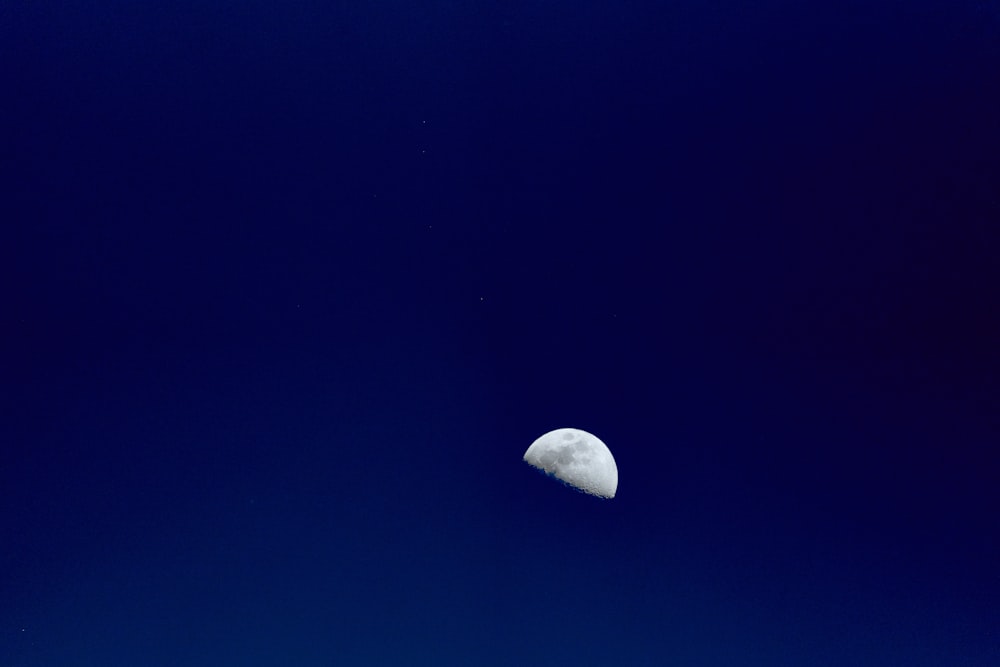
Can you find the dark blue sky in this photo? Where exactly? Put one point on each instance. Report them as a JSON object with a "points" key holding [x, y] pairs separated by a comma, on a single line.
{"points": [[290, 287]]}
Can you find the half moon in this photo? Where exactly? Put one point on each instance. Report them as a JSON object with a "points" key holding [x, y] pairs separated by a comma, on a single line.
{"points": [[577, 458]]}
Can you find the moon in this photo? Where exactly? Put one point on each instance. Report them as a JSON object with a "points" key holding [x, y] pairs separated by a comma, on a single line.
{"points": [[577, 458]]}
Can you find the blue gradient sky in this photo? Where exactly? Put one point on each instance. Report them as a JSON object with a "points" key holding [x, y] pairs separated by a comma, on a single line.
{"points": [[290, 287]]}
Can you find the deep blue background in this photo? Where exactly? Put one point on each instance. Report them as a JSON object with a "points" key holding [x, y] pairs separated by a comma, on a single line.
{"points": [[288, 288]]}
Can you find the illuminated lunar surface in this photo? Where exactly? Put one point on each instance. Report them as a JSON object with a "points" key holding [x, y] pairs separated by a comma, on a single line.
{"points": [[577, 458]]}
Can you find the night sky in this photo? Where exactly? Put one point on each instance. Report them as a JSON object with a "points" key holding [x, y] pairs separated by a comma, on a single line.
{"points": [[289, 287]]}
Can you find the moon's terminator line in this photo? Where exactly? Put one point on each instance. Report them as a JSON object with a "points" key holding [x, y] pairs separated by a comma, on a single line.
{"points": [[577, 458]]}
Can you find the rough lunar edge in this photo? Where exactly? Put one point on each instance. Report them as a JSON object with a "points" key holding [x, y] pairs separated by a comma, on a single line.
{"points": [[552, 475]]}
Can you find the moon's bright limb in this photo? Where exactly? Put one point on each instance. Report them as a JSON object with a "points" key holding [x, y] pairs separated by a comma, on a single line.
{"points": [[578, 458]]}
